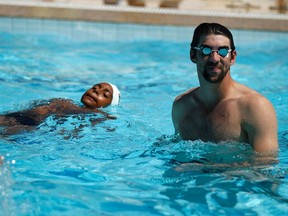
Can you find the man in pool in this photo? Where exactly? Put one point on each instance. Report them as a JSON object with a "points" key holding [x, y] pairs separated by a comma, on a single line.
{"points": [[99, 96], [221, 109]]}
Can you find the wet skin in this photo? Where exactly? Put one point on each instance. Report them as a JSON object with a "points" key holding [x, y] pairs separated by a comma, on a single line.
{"points": [[100, 95], [221, 109]]}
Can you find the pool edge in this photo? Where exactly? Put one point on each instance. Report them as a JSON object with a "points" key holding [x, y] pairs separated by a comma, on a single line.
{"points": [[144, 16]]}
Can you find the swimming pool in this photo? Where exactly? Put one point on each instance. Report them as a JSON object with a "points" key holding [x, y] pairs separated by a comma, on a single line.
{"points": [[122, 167]]}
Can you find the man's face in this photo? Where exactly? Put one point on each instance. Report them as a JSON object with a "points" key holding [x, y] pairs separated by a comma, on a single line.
{"points": [[214, 67]]}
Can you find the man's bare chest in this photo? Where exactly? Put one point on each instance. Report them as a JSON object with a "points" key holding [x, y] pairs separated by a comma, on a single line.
{"points": [[217, 125]]}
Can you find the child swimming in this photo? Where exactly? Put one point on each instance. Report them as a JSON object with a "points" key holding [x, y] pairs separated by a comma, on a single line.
{"points": [[100, 95]]}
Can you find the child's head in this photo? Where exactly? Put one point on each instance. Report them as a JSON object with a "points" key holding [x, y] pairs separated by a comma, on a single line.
{"points": [[101, 95]]}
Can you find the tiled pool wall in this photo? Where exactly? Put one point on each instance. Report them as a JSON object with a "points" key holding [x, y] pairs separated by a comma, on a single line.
{"points": [[95, 31], [103, 31]]}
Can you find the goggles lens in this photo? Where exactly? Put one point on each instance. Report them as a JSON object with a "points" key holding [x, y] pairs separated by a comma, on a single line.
{"points": [[207, 51]]}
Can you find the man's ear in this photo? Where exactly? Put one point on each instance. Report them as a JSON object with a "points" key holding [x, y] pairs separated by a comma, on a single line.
{"points": [[233, 57], [193, 55]]}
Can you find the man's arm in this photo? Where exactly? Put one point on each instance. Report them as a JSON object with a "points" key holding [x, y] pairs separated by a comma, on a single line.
{"points": [[176, 114], [67, 107], [261, 125]]}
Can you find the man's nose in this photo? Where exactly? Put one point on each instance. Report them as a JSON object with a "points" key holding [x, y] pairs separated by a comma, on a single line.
{"points": [[214, 56]]}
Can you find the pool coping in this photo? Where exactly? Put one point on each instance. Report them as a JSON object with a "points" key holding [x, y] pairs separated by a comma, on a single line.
{"points": [[140, 15]]}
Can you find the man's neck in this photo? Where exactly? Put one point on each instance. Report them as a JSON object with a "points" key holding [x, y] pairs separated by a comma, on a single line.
{"points": [[213, 93]]}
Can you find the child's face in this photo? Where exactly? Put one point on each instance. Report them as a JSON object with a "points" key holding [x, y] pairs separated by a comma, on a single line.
{"points": [[100, 95]]}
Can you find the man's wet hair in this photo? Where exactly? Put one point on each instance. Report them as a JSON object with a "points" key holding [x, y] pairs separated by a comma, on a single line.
{"points": [[211, 28]]}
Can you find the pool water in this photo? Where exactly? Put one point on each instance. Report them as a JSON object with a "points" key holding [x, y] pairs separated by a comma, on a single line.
{"points": [[123, 167]]}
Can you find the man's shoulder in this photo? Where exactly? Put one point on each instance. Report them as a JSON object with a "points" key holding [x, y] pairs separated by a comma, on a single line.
{"points": [[253, 97], [254, 103], [247, 95], [187, 95]]}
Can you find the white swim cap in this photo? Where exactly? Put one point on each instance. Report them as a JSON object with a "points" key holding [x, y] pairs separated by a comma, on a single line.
{"points": [[116, 95]]}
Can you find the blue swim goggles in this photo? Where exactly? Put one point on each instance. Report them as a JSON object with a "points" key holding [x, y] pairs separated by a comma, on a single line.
{"points": [[223, 52]]}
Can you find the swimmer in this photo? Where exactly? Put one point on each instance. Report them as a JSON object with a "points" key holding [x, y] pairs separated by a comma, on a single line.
{"points": [[100, 95], [221, 109]]}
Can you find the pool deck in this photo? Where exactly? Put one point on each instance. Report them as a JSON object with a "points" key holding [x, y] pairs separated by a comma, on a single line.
{"points": [[187, 13]]}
